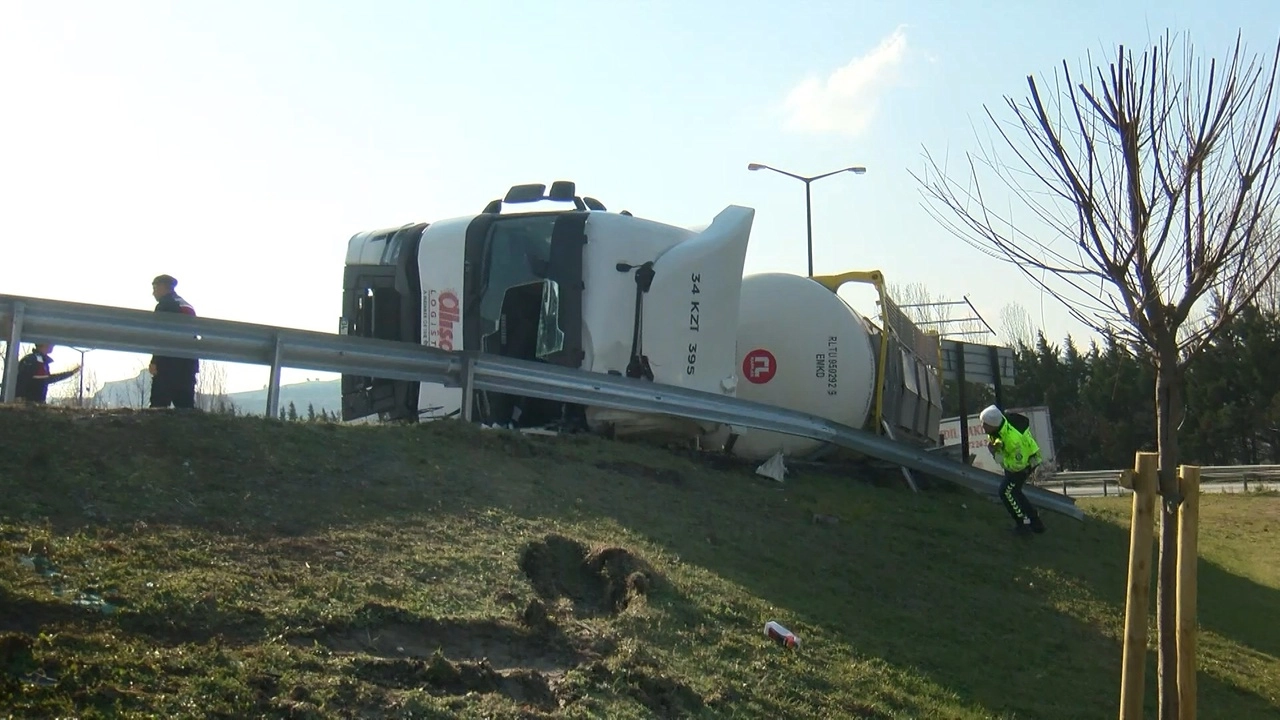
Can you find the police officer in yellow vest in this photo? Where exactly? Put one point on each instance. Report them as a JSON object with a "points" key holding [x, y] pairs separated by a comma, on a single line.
{"points": [[1010, 441]]}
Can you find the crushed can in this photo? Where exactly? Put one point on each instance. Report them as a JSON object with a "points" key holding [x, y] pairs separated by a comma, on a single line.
{"points": [[779, 634]]}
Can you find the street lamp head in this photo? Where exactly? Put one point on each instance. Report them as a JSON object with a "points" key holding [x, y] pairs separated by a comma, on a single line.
{"points": [[754, 166], [859, 170]]}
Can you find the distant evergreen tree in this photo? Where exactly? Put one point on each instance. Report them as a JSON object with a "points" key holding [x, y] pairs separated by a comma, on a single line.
{"points": [[1102, 410], [293, 412]]}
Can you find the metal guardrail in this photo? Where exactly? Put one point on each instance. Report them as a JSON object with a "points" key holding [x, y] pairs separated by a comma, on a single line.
{"points": [[108, 328], [1208, 473], [1109, 489], [1216, 479]]}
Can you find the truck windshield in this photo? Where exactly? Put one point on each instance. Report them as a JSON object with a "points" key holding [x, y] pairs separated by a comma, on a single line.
{"points": [[518, 253]]}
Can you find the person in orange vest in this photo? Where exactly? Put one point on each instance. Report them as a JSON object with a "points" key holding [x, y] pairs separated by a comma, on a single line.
{"points": [[34, 376]]}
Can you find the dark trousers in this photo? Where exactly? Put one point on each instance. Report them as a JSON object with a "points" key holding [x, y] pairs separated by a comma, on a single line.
{"points": [[1014, 500], [177, 389]]}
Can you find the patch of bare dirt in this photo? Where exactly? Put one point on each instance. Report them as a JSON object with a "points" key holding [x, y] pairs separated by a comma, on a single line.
{"points": [[865, 712], [392, 648], [601, 581], [392, 634], [29, 617], [200, 623], [442, 676], [297, 548], [666, 476], [664, 696]]}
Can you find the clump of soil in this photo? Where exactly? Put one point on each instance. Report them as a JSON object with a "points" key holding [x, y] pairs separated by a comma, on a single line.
{"points": [[16, 659], [603, 581], [535, 617], [16, 654]]}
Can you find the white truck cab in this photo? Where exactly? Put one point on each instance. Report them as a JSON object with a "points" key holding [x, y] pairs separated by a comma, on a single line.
{"points": [[575, 286]]}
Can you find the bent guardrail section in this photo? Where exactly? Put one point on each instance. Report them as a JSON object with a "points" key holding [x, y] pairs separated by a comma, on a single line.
{"points": [[109, 328]]}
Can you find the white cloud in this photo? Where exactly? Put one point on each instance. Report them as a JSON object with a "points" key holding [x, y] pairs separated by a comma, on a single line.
{"points": [[847, 100]]}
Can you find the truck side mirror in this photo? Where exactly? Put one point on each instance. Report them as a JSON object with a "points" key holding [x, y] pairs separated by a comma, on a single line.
{"points": [[562, 191]]}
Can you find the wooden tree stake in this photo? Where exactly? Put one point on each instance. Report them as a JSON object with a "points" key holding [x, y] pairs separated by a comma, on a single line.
{"points": [[1145, 481], [1188, 557]]}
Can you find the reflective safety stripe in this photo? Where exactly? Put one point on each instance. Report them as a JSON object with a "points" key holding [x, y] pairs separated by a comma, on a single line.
{"points": [[1013, 502]]}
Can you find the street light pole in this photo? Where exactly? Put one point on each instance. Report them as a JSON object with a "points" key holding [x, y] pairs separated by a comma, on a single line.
{"points": [[80, 395], [808, 220], [808, 196]]}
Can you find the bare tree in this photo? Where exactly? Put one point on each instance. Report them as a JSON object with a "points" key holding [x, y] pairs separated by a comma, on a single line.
{"points": [[211, 388], [1268, 298], [68, 393], [935, 313], [139, 388], [92, 386], [1151, 180], [918, 302], [1016, 326]]}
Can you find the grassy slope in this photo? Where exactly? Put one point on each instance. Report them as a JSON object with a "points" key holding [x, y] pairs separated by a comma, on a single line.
{"points": [[253, 568]]}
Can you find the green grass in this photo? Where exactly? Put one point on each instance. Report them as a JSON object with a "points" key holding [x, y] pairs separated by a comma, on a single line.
{"points": [[171, 565]]}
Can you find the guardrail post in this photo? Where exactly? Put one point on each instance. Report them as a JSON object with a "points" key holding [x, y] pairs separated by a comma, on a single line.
{"points": [[468, 385], [1144, 479], [964, 409], [1188, 557], [11, 352], [273, 385]]}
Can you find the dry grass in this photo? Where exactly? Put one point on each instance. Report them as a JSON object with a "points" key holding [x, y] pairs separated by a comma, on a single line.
{"points": [[175, 565]]}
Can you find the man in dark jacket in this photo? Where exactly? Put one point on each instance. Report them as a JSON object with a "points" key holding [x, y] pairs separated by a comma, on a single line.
{"points": [[34, 377], [173, 380]]}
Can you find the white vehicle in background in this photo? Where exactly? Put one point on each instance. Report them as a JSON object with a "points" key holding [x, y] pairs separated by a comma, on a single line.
{"points": [[1041, 430], [604, 292]]}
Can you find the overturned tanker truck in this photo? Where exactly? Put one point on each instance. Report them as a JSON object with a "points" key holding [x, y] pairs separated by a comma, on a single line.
{"points": [[606, 292]]}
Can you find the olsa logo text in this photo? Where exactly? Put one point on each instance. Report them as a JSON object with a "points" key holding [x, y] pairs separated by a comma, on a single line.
{"points": [[441, 315]]}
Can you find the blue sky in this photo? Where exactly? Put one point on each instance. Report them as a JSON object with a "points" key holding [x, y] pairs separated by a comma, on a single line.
{"points": [[238, 145]]}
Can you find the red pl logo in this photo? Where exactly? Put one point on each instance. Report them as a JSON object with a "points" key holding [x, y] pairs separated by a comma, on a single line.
{"points": [[759, 366]]}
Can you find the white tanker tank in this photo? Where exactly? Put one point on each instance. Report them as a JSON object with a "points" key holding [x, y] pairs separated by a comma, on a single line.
{"points": [[800, 347]]}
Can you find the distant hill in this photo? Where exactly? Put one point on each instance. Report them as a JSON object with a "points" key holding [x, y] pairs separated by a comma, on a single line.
{"points": [[323, 395], [131, 392]]}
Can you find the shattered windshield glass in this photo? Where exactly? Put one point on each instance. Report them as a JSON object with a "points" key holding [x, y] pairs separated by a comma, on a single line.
{"points": [[518, 253]]}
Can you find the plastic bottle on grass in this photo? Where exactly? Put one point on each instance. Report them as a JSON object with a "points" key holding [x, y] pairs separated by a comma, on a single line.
{"points": [[781, 635]]}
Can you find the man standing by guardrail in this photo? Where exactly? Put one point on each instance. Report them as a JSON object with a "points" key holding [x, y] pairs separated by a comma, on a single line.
{"points": [[173, 380]]}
